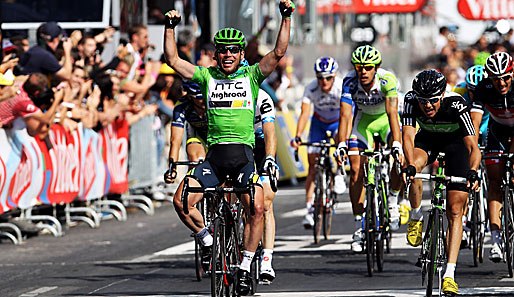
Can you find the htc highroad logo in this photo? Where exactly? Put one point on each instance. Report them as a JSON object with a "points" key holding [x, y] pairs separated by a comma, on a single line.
{"points": [[229, 90]]}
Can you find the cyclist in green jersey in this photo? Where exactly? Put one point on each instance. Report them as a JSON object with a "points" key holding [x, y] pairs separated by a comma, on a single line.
{"points": [[231, 93]]}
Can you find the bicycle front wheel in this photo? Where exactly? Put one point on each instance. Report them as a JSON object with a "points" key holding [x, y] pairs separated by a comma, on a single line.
{"points": [[329, 204], [218, 263], [508, 226], [382, 226], [432, 255], [369, 229], [475, 228], [319, 200]]}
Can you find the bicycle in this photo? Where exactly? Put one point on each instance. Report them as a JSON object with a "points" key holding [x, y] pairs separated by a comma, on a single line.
{"points": [[507, 210], [433, 253], [376, 216], [226, 248], [324, 196]]}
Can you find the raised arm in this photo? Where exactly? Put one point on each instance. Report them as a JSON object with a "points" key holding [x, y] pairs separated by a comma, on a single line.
{"points": [[270, 61], [182, 67]]}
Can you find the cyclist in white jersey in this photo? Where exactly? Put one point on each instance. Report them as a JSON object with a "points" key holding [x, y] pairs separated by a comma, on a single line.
{"points": [[323, 94], [374, 92]]}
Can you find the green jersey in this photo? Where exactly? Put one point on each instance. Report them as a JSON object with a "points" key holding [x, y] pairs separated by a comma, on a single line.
{"points": [[230, 102]]}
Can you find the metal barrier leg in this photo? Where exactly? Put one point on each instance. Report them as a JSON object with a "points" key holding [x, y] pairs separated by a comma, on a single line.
{"points": [[92, 218], [16, 238], [146, 203], [105, 206], [54, 225]]}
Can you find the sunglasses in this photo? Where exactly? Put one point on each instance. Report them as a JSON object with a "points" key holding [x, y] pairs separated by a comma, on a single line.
{"points": [[431, 100], [367, 67], [233, 49], [327, 78], [504, 78]]}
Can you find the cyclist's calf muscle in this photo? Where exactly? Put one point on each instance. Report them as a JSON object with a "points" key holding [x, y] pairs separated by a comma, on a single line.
{"points": [[193, 220]]}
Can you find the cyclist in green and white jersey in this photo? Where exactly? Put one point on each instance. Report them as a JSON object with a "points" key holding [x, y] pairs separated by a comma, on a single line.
{"points": [[374, 92], [231, 93]]}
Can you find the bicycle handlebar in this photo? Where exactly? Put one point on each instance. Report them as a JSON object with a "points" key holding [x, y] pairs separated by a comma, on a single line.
{"points": [[503, 156], [451, 179]]}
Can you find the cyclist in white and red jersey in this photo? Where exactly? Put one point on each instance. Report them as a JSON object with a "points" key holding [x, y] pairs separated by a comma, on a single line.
{"points": [[323, 95], [495, 95]]}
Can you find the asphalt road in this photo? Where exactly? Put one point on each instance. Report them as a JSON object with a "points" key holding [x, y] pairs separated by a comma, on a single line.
{"points": [[153, 256]]}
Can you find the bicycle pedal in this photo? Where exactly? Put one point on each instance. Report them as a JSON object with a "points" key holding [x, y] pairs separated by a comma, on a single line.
{"points": [[418, 263], [265, 282]]}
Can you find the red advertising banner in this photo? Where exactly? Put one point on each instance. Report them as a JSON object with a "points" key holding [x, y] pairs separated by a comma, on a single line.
{"points": [[115, 154], [486, 9], [365, 6]]}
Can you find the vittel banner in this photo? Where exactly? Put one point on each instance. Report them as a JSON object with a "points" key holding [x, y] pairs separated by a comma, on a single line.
{"points": [[486, 9], [365, 6], [62, 167]]}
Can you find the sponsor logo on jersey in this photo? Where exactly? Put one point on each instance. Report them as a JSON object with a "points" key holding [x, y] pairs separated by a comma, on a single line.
{"points": [[235, 93], [458, 105], [206, 171]]}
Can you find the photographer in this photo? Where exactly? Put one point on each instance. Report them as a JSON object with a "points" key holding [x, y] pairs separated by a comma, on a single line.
{"points": [[41, 58]]}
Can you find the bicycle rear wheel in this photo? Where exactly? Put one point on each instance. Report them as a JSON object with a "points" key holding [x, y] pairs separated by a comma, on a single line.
{"points": [[218, 266], [508, 226], [234, 257], [329, 204], [369, 229], [318, 207]]}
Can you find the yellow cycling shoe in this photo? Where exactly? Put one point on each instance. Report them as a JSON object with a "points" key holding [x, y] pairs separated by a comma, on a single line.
{"points": [[415, 232], [404, 213], [450, 287]]}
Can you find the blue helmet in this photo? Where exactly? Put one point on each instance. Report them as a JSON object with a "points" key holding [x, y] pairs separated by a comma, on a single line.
{"points": [[325, 66], [192, 88], [474, 75]]}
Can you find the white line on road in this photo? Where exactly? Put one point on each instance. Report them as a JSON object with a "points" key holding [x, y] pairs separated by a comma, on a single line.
{"points": [[36, 292]]}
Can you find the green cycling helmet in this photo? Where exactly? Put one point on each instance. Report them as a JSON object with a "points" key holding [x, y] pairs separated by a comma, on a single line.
{"points": [[366, 54], [229, 36], [481, 57]]}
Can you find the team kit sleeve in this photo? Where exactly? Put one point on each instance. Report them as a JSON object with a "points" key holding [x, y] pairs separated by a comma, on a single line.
{"points": [[256, 74], [462, 109], [408, 116], [389, 85], [266, 107], [346, 94], [199, 76], [478, 104], [179, 116]]}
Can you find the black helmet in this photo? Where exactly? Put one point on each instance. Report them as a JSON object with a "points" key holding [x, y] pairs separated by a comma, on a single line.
{"points": [[429, 83]]}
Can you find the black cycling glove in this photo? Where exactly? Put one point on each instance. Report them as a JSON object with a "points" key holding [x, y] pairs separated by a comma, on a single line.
{"points": [[409, 170], [286, 11], [171, 22], [472, 176]]}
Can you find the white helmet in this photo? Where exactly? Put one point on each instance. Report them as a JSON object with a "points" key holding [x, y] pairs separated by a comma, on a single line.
{"points": [[498, 64], [325, 66]]}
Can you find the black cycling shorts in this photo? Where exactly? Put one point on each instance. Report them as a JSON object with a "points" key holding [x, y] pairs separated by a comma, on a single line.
{"points": [[259, 152], [456, 155], [498, 141], [222, 160]]}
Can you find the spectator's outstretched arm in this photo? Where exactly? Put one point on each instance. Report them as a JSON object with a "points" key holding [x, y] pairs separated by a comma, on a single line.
{"points": [[65, 72], [49, 115], [182, 67], [270, 61]]}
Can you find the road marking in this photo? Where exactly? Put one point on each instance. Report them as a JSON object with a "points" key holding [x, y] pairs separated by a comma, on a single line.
{"points": [[36, 292], [109, 285]]}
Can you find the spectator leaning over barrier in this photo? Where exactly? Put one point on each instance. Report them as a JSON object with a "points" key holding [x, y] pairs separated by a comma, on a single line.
{"points": [[138, 35], [25, 104], [41, 58]]}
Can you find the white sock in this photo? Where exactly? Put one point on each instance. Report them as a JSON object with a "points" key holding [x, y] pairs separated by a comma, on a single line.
{"points": [[417, 214], [247, 260], [392, 199], [205, 237], [309, 207], [267, 257], [450, 271], [495, 236], [358, 221]]}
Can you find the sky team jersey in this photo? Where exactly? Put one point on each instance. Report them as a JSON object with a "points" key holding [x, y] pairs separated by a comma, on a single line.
{"points": [[230, 102], [326, 106], [452, 120], [462, 90], [264, 113], [385, 85], [185, 112], [500, 107]]}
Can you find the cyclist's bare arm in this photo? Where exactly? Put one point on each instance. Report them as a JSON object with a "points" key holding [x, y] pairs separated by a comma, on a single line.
{"points": [[270, 61], [302, 120], [175, 141], [476, 117], [182, 67], [270, 138], [391, 105], [345, 121], [408, 133], [474, 152]]}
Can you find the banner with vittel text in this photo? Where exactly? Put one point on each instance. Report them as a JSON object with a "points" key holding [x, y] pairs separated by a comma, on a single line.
{"points": [[63, 166]]}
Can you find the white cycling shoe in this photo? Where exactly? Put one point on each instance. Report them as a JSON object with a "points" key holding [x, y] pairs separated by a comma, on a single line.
{"points": [[357, 241], [394, 217], [308, 221]]}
